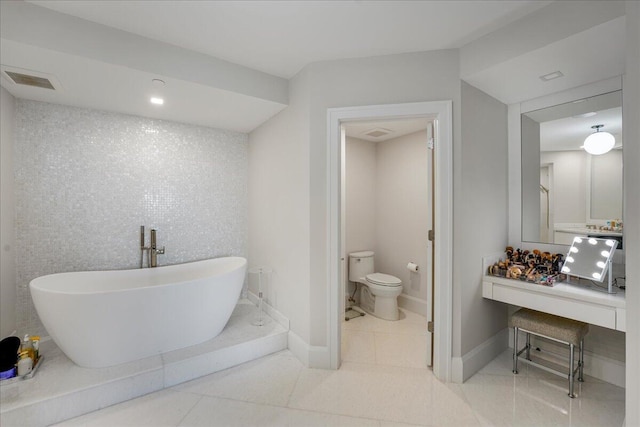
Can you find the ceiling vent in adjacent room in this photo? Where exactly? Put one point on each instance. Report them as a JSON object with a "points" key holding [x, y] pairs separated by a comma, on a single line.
{"points": [[377, 132], [30, 78]]}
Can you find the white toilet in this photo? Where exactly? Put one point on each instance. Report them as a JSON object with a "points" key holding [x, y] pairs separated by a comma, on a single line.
{"points": [[379, 296]]}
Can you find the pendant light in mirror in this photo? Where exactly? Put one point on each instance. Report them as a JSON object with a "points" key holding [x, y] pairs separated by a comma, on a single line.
{"points": [[599, 142]]}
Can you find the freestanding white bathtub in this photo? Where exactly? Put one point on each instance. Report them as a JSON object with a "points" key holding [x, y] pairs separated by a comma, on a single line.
{"points": [[105, 318]]}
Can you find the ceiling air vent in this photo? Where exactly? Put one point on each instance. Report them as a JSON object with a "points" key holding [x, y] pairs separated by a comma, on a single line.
{"points": [[28, 80], [378, 132], [21, 77]]}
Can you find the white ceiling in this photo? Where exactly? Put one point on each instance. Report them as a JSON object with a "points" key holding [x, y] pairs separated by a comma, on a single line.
{"points": [[569, 134], [88, 83], [226, 63], [594, 54], [391, 128], [281, 37]]}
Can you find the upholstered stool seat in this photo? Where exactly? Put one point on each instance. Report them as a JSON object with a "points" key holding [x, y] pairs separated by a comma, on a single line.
{"points": [[567, 331]]}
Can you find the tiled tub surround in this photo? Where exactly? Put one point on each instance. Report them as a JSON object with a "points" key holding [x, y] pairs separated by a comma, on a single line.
{"points": [[86, 180], [61, 390]]}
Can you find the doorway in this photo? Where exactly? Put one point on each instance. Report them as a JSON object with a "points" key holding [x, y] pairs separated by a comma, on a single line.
{"points": [[440, 114], [388, 206], [546, 203]]}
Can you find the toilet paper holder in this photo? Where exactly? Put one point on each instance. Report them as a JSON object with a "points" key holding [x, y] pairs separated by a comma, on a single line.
{"points": [[411, 266]]}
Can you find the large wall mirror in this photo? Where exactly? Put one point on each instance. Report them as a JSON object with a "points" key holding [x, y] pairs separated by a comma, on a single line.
{"points": [[566, 191]]}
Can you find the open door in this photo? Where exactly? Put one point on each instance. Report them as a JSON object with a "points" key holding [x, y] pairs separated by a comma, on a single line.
{"points": [[430, 244]]}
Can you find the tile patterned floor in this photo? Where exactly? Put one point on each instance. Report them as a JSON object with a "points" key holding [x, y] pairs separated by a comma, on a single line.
{"points": [[382, 382], [368, 339]]}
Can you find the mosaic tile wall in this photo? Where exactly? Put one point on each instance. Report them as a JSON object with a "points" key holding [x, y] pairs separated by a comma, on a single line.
{"points": [[86, 180]]}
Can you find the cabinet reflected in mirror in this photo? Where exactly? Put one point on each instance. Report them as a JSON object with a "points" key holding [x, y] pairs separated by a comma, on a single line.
{"points": [[567, 192]]}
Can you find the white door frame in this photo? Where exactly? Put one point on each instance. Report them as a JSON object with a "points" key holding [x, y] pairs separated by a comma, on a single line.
{"points": [[441, 113]]}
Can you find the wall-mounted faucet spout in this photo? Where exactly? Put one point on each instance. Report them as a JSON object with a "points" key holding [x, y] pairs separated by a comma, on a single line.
{"points": [[152, 250]]}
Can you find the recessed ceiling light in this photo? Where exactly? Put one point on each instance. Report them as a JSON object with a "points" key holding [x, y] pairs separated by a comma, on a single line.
{"points": [[551, 76], [157, 101]]}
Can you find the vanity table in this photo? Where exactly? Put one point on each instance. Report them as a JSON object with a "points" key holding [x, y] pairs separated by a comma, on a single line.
{"points": [[571, 300]]}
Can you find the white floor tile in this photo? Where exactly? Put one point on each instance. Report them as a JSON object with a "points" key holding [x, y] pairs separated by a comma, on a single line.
{"points": [[361, 390], [163, 408], [529, 400], [408, 323], [211, 411], [269, 380], [408, 350], [369, 339], [395, 424], [383, 382], [449, 407], [358, 346], [278, 391]]}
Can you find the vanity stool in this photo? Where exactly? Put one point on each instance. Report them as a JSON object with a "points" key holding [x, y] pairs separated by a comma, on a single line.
{"points": [[556, 328]]}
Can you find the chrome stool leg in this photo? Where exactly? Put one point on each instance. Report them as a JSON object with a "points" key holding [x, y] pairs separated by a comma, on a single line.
{"points": [[515, 350], [581, 362], [571, 369], [528, 346]]}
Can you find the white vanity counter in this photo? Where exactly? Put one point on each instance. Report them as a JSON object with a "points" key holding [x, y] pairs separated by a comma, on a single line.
{"points": [[583, 231], [571, 300]]}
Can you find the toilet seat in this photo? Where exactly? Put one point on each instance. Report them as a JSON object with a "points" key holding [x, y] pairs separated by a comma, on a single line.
{"points": [[382, 279]]}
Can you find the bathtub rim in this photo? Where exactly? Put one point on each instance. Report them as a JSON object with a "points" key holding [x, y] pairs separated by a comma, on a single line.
{"points": [[33, 284]]}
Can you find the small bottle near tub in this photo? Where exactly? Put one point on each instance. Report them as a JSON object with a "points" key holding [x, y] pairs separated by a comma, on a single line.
{"points": [[25, 364], [27, 346], [35, 342]]}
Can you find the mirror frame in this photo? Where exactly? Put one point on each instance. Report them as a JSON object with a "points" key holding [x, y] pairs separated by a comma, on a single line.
{"points": [[515, 155]]}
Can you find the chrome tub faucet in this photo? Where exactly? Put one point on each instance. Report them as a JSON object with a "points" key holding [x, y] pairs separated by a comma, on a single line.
{"points": [[152, 250]]}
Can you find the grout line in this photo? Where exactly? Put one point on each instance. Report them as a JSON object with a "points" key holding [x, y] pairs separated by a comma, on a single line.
{"points": [[189, 411], [295, 386]]}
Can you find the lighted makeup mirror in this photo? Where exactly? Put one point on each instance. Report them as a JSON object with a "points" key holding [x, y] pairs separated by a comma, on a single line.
{"points": [[591, 258]]}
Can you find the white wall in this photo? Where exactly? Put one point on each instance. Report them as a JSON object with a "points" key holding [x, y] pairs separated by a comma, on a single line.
{"points": [[86, 180], [606, 186], [279, 206], [425, 76], [531, 174], [360, 200], [481, 224], [303, 268], [480, 168], [569, 185], [7, 223], [631, 132], [402, 220]]}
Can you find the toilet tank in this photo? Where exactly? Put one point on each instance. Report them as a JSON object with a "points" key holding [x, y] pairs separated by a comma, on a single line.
{"points": [[360, 264]]}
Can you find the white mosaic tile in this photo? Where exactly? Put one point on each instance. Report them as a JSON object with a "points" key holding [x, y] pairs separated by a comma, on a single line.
{"points": [[86, 180]]}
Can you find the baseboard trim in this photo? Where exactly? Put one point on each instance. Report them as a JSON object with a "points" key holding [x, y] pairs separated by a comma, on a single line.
{"points": [[298, 347], [413, 304], [463, 368], [272, 312], [311, 356]]}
